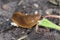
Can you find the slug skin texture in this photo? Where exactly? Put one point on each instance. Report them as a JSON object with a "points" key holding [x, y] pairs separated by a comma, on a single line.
{"points": [[25, 21]]}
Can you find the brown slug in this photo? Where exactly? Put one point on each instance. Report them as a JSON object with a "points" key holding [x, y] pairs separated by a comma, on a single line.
{"points": [[25, 20]]}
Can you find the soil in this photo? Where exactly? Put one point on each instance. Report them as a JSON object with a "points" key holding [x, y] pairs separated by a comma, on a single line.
{"points": [[9, 32]]}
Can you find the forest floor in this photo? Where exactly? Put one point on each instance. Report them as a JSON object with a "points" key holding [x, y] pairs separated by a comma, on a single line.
{"points": [[8, 32]]}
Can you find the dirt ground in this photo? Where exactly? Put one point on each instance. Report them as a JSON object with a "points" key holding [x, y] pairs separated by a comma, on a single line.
{"points": [[9, 32]]}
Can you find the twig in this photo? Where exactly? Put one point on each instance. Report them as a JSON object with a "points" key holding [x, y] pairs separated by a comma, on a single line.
{"points": [[36, 29], [52, 16], [20, 2], [22, 37]]}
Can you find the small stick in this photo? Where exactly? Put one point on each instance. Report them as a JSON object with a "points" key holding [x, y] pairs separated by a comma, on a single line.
{"points": [[22, 37], [52, 16], [20, 2], [36, 28]]}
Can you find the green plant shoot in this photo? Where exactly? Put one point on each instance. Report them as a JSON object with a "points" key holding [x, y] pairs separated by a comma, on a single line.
{"points": [[46, 23]]}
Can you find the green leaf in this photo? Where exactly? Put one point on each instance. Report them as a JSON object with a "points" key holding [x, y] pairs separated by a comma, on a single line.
{"points": [[46, 23]]}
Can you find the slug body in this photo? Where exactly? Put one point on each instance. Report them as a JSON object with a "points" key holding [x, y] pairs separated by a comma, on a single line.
{"points": [[25, 21]]}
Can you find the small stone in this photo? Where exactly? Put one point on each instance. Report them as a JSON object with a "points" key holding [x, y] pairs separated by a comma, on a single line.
{"points": [[36, 12], [36, 5], [5, 7], [7, 19], [48, 11], [23, 32], [24, 6]]}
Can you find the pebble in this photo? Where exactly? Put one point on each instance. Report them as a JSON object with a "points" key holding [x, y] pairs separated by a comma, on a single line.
{"points": [[36, 12], [36, 5], [48, 11], [7, 19], [5, 7]]}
